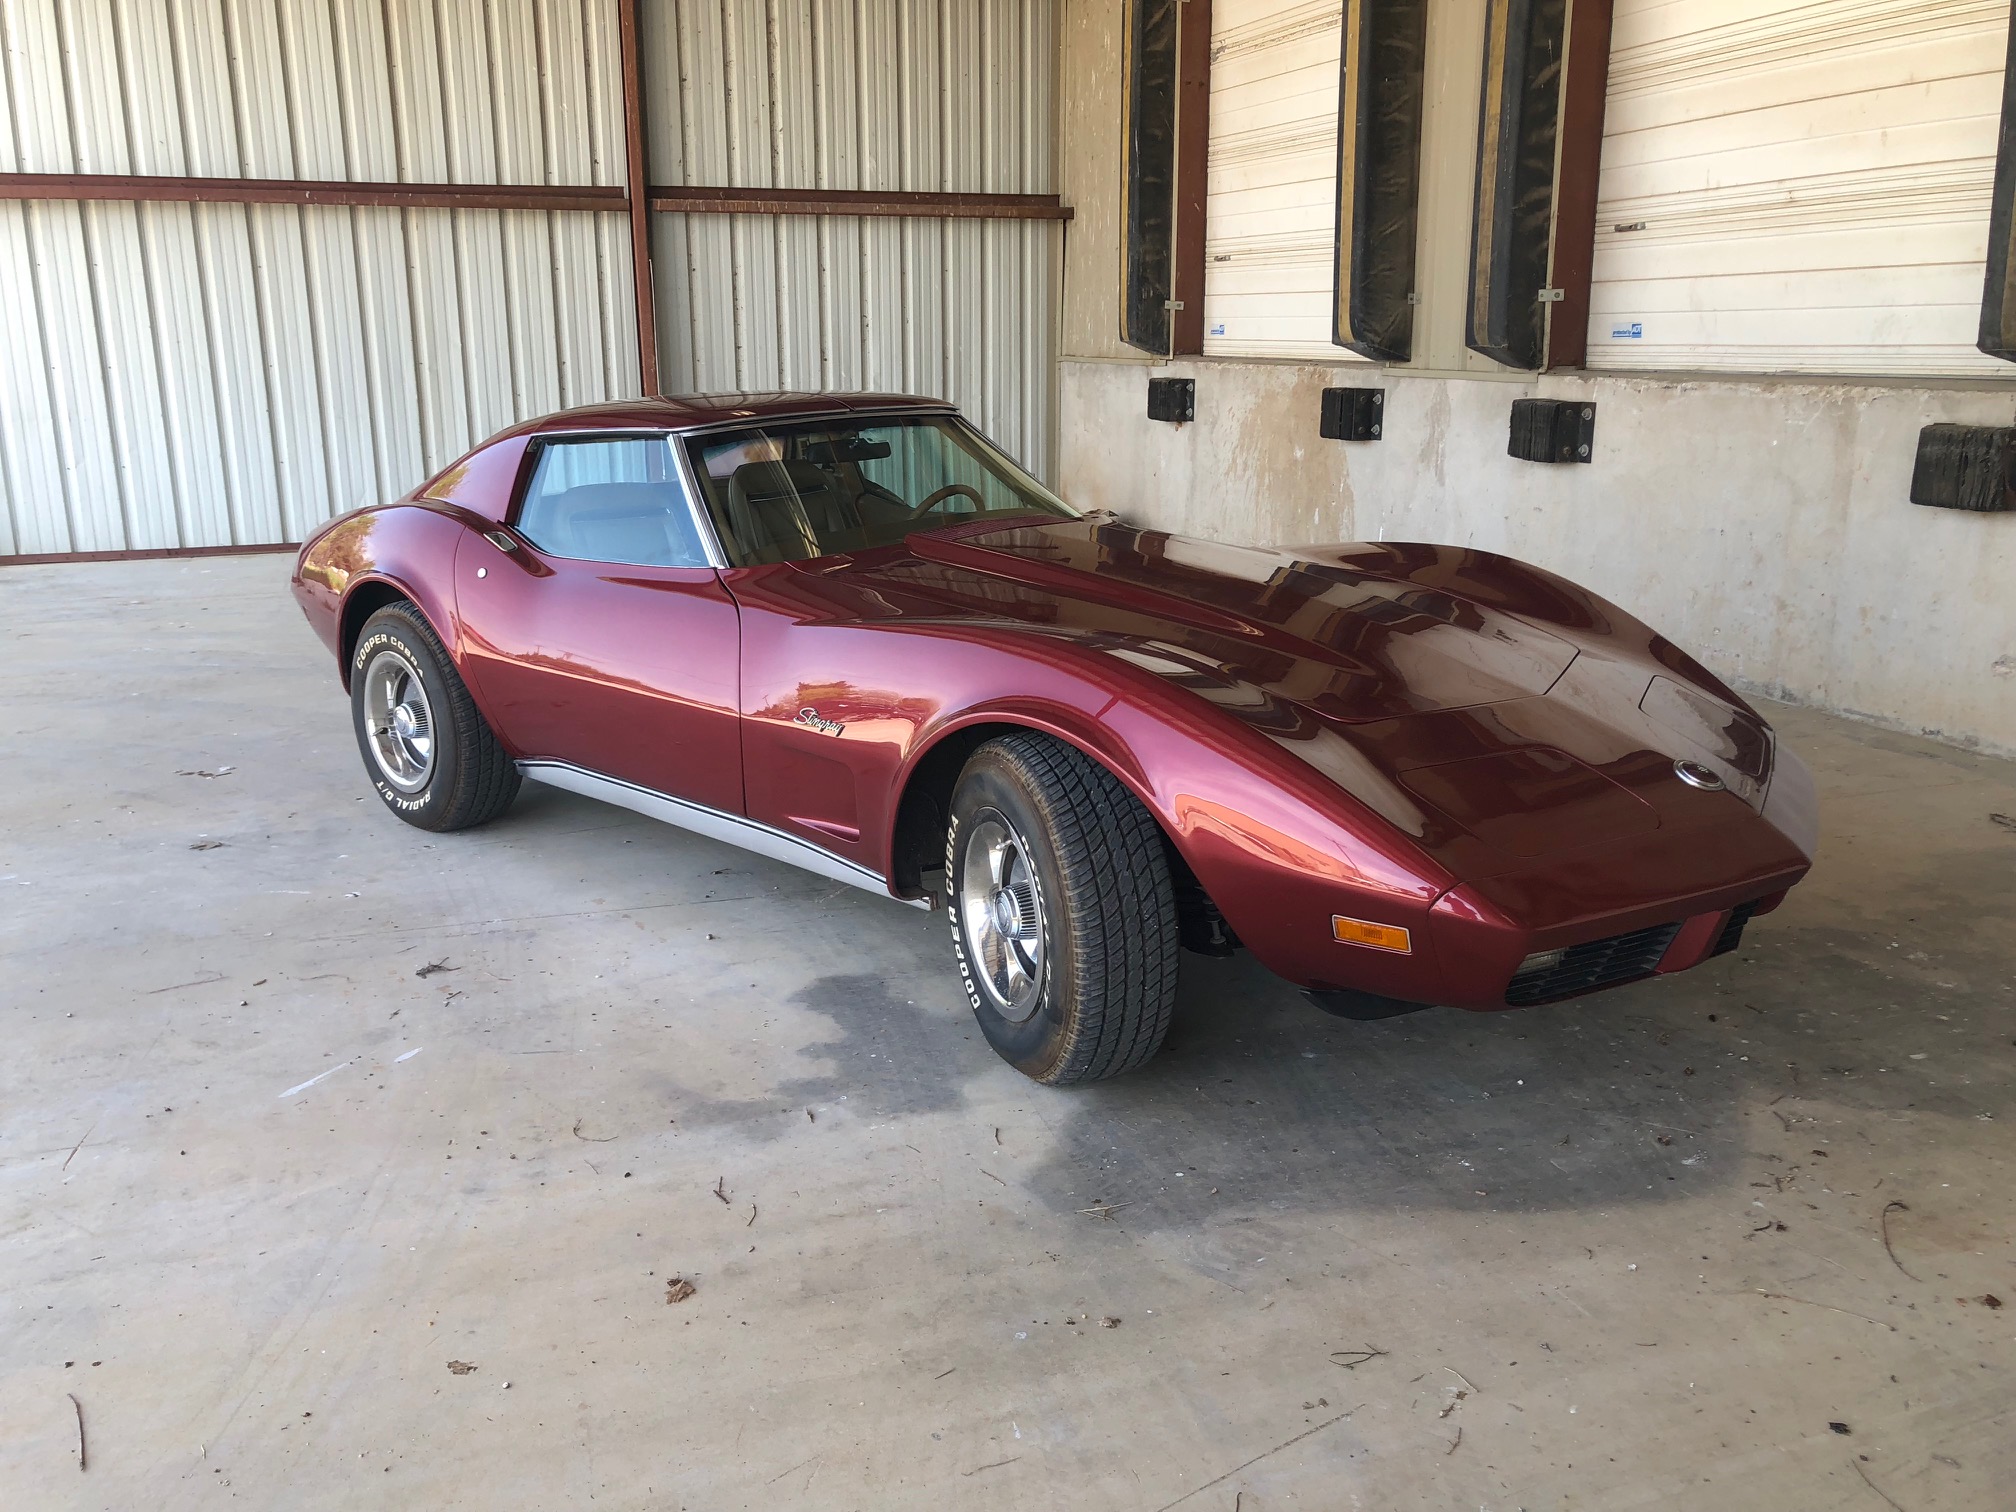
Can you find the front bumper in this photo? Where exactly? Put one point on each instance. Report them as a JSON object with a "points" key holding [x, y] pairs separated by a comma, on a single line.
{"points": [[1658, 950]]}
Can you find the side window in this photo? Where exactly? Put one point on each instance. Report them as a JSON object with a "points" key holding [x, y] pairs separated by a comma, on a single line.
{"points": [[615, 500]]}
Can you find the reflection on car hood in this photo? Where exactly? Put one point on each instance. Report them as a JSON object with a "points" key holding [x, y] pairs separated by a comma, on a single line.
{"points": [[1415, 677], [1349, 646]]}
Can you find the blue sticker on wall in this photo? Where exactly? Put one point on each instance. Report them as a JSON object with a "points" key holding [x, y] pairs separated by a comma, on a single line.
{"points": [[1632, 332], [1218, 329]]}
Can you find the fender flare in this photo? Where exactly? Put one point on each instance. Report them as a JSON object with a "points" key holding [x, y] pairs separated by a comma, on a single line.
{"points": [[350, 618]]}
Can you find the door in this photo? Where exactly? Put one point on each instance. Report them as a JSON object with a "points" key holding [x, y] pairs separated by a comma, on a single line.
{"points": [[1270, 210], [811, 513], [1798, 188], [603, 636]]}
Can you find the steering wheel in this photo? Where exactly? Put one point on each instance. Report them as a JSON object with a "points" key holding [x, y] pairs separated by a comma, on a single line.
{"points": [[940, 495]]}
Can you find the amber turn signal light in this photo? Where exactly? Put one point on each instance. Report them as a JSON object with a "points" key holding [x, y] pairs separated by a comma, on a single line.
{"points": [[1365, 932]]}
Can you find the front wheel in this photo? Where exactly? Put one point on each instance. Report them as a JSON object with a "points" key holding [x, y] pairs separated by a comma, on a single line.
{"points": [[1062, 912], [426, 746]]}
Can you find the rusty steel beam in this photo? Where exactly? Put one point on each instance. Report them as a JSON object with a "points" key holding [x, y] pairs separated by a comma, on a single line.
{"points": [[150, 554], [690, 199], [637, 176], [1193, 142], [1583, 93], [157, 188], [697, 199]]}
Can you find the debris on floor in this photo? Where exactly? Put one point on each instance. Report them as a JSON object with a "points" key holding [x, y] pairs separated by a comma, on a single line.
{"points": [[678, 1289], [1856, 1465], [324, 1076], [433, 966], [1105, 1210], [721, 1189], [459, 1367], [222, 771], [1351, 1359], [1824, 1306], [996, 1465], [207, 845], [202, 981], [1109, 1322], [79, 1408], [1883, 1226]]}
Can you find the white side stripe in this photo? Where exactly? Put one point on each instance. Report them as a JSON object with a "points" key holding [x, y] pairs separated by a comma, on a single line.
{"points": [[715, 825]]}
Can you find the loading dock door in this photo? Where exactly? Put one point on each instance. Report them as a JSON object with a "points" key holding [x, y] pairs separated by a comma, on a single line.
{"points": [[1271, 200], [1797, 187]]}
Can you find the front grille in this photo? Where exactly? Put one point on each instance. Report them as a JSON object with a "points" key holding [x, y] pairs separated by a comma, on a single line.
{"points": [[1598, 963], [1732, 932]]}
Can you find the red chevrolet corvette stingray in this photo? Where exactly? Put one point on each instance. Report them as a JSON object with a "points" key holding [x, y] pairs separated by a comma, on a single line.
{"points": [[849, 633]]}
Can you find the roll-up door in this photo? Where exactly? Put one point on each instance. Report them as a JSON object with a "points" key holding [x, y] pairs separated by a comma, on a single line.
{"points": [[1797, 187], [1271, 206]]}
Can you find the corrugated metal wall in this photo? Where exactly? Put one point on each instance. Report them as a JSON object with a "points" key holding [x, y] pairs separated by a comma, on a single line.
{"points": [[948, 95], [201, 375]]}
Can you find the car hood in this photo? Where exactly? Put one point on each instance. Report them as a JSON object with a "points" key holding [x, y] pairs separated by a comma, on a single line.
{"points": [[1349, 645], [1492, 712]]}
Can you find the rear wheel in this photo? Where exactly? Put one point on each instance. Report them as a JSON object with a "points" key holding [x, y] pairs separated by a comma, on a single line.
{"points": [[1062, 912], [427, 748]]}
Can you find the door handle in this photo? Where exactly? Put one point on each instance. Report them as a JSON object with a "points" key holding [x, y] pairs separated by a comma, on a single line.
{"points": [[500, 539]]}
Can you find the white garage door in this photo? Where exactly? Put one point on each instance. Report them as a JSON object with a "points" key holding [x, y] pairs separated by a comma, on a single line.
{"points": [[1271, 209], [1797, 187]]}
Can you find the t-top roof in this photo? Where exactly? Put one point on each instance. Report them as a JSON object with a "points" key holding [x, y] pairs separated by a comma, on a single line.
{"points": [[691, 411]]}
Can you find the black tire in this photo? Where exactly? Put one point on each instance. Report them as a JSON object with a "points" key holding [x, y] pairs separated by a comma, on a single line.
{"points": [[1096, 1000], [466, 778]]}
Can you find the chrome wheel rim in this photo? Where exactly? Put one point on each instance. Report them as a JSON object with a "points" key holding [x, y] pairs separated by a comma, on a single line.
{"points": [[399, 721], [1001, 916]]}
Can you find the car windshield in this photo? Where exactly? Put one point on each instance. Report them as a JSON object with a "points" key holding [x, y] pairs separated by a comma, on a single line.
{"points": [[785, 493]]}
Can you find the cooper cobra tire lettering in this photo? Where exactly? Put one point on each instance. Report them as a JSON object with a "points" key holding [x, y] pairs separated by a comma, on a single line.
{"points": [[1108, 907], [471, 778], [973, 998]]}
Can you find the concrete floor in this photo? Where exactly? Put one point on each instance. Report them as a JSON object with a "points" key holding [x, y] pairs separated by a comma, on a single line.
{"points": [[261, 1181]]}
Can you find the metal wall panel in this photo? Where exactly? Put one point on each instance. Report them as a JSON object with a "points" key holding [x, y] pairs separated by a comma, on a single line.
{"points": [[205, 375], [860, 94]]}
